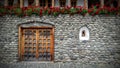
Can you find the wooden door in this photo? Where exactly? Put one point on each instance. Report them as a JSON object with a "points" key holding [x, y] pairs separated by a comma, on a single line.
{"points": [[37, 44]]}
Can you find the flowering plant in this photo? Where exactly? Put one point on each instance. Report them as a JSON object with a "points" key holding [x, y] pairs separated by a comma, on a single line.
{"points": [[105, 10], [27, 11]]}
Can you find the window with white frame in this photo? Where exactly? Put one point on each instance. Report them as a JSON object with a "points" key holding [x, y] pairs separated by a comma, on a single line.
{"points": [[84, 34]]}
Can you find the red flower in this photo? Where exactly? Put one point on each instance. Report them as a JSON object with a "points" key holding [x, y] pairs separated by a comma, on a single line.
{"points": [[97, 12], [51, 7], [40, 12], [89, 10]]}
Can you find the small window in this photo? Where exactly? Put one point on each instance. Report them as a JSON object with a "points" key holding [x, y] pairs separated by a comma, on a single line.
{"points": [[111, 3], [57, 4], [16, 3], [36, 44], [49, 3], [1, 3], [45, 3], [92, 3], [84, 34], [115, 3], [42, 3], [10, 2], [80, 2], [73, 3], [62, 3], [31, 2]]}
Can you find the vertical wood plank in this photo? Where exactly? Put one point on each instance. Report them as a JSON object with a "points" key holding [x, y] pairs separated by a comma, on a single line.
{"points": [[23, 44], [46, 3], [19, 47], [42, 43], [36, 2], [21, 3], [86, 4], [53, 3], [69, 3], [33, 42], [6, 3], [46, 42], [37, 42], [52, 43], [119, 3], [101, 3]]}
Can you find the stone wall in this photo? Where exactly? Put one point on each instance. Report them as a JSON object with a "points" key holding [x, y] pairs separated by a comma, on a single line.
{"points": [[102, 48]]}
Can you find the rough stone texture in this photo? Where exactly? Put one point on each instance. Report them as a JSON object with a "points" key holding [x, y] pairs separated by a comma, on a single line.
{"points": [[101, 51]]}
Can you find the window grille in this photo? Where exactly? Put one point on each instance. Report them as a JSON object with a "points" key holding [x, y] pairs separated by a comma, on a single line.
{"points": [[30, 2], [42, 3], [49, 3], [73, 3], [92, 3], [62, 3], [10, 2]]}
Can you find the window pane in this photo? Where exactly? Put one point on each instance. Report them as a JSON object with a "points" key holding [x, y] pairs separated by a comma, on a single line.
{"points": [[42, 3], [111, 3], [1, 2], [73, 3], [10, 2], [62, 3], [92, 3], [49, 3], [31, 2]]}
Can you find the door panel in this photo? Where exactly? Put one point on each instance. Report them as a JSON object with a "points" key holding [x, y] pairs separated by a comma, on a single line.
{"points": [[37, 44]]}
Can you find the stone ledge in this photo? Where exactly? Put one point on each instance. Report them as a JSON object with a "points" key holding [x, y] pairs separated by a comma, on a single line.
{"points": [[58, 65]]}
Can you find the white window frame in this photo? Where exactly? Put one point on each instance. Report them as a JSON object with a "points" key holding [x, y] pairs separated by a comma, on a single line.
{"points": [[87, 34]]}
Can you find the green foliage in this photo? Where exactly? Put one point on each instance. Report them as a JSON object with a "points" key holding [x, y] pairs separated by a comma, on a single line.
{"points": [[18, 10], [73, 10], [93, 10], [28, 11], [103, 11], [2, 10], [84, 11], [45, 12], [55, 13], [36, 11]]}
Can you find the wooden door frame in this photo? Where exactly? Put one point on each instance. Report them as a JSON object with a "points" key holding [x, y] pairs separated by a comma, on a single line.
{"points": [[36, 27]]}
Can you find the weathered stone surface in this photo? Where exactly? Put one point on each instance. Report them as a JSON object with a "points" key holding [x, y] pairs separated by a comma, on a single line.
{"points": [[103, 46]]}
